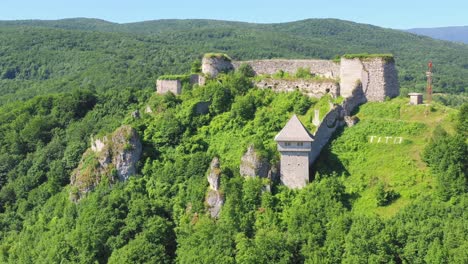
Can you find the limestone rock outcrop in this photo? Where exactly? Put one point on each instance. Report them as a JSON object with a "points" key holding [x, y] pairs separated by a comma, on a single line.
{"points": [[113, 157], [252, 165], [214, 174], [214, 198]]}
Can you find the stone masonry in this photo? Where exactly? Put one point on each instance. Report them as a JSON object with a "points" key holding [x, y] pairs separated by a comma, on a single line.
{"points": [[324, 68], [214, 65], [165, 86], [294, 144], [361, 80], [311, 88], [378, 78]]}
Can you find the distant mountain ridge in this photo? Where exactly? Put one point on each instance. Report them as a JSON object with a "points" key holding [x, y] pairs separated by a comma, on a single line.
{"points": [[455, 34]]}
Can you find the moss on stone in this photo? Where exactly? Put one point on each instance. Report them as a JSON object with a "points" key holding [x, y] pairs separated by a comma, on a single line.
{"points": [[175, 77], [366, 56], [217, 56]]}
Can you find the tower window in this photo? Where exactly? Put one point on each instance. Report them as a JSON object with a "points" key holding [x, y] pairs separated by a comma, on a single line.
{"points": [[300, 144], [287, 144]]}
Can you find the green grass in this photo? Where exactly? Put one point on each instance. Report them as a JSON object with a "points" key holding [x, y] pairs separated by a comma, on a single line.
{"points": [[398, 166], [217, 56], [181, 77], [366, 56]]}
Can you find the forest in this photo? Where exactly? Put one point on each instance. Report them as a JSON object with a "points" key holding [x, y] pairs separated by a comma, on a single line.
{"points": [[64, 82]]}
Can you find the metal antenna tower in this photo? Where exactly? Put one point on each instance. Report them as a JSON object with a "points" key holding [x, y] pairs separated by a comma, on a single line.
{"points": [[429, 82]]}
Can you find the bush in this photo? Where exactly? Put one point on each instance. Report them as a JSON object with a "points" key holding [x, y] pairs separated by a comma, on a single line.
{"points": [[246, 70], [385, 197], [303, 73]]}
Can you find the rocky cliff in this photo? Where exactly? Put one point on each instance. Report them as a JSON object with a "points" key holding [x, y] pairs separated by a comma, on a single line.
{"points": [[214, 198], [253, 165], [112, 157]]}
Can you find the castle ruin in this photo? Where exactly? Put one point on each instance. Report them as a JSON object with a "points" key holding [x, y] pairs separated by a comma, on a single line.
{"points": [[376, 74], [358, 79]]}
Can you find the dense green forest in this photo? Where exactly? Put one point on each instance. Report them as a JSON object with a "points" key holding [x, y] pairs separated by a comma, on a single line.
{"points": [[39, 57], [63, 82]]}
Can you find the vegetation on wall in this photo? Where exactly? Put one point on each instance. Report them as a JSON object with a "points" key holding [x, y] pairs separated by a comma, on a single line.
{"points": [[367, 203]]}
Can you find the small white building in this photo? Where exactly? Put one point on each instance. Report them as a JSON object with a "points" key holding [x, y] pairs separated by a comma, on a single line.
{"points": [[415, 98], [294, 144]]}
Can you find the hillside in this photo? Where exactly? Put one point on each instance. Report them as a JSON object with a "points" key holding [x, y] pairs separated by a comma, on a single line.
{"points": [[95, 167], [455, 34], [50, 56], [363, 193]]}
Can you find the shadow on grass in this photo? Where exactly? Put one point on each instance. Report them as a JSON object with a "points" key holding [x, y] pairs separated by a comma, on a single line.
{"points": [[328, 163]]}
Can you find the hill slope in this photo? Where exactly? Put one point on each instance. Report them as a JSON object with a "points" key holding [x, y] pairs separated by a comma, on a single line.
{"points": [[45, 56], [370, 201], [456, 34]]}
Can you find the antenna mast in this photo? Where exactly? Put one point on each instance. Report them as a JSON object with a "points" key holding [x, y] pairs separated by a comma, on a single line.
{"points": [[429, 82]]}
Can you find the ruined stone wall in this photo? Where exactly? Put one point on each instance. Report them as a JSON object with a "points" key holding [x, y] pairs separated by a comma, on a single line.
{"points": [[294, 169], [197, 79], [212, 66], [350, 75], [324, 68], [164, 86], [356, 98], [378, 78], [392, 86], [325, 130], [310, 88]]}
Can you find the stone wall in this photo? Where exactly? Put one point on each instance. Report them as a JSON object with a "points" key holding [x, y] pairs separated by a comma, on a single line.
{"points": [[377, 76], [382, 80], [324, 68], [212, 66], [164, 86], [350, 75], [197, 79], [294, 168], [356, 98], [332, 120], [311, 88]]}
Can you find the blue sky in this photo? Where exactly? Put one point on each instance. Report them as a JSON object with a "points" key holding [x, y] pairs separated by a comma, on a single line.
{"points": [[389, 13]]}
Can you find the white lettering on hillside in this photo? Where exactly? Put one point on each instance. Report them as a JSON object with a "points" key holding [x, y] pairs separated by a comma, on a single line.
{"points": [[385, 140]]}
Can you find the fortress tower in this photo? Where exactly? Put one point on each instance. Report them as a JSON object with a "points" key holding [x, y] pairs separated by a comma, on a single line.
{"points": [[294, 145]]}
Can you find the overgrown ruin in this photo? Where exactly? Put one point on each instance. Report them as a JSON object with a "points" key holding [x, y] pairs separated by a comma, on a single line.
{"points": [[355, 78]]}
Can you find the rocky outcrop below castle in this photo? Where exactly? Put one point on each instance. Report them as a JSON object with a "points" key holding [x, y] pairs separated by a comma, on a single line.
{"points": [[214, 198], [310, 87], [253, 165], [113, 157]]}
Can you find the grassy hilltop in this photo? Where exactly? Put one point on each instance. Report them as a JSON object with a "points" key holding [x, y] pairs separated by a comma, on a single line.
{"points": [[398, 167]]}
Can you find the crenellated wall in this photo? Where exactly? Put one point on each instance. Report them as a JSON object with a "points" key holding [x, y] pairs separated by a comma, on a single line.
{"points": [[323, 68], [311, 88]]}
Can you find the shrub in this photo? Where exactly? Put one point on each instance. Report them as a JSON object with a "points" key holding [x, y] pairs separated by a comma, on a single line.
{"points": [[303, 73], [385, 197], [246, 70]]}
